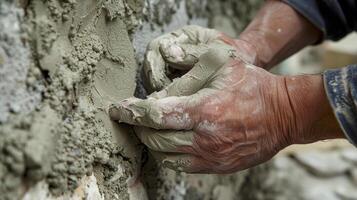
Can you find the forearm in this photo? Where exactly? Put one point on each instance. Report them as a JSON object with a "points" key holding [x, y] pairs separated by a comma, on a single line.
{"points": [[314, 118], [277, 32]]}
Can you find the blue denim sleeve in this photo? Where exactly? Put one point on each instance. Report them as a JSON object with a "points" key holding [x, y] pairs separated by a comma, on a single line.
{"points": [[335, 18], [341, 89]]}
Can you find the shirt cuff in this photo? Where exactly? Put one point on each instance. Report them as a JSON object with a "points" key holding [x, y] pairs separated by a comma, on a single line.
{"points": [[341, 90]]}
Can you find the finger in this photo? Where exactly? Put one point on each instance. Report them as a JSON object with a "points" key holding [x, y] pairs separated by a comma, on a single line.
{"points": [[197, 34], [182, 56], [174, 161], [154, 65], [154, 77], [184, 162], [165, 140], [197, 165], [166, 113], [178, 113], [199, 76], [165, 110]]}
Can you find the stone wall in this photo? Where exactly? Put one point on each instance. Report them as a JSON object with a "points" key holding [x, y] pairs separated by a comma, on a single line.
{"points": [[62, 62], [319, 171]]}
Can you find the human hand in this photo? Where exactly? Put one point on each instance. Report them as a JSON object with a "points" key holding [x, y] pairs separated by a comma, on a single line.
{"points": [[180, 50], [226, 115]]}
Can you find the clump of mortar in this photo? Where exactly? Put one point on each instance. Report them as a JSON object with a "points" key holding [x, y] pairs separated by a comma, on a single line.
{"points": [[84, 141]]}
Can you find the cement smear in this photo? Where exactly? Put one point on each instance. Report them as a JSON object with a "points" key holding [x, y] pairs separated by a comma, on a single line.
{"points": [[18, 89], [83, 52], [62, 62]]}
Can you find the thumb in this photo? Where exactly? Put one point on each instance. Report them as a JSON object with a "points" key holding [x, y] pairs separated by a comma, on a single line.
{"points": [[182, 56], [199, 76]]}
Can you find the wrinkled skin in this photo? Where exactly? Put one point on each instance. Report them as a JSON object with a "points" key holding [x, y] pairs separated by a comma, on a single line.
{"points": [[234, 120], [240, 115], [226, 114]]}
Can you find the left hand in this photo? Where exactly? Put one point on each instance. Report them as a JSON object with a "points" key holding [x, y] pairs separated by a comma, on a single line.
{"points": [[226, 115]]}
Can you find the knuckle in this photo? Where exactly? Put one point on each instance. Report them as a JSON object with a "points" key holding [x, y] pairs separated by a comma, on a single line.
{"points": [[155, 43], [209, 110], [152, 140]]}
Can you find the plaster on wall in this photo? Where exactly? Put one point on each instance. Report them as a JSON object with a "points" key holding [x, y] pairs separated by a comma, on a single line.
{"points": [[62, 62]]}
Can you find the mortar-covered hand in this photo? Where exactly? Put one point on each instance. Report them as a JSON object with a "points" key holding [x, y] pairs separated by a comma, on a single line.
{"points": [[180, 50], [226, 115]]}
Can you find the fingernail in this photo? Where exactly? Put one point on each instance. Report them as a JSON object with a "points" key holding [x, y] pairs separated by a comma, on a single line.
{"points": [[113, 112], [172, 50], [176, 52], [172, 165], [121, 111]]}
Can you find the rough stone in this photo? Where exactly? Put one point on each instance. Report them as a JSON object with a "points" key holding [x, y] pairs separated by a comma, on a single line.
{"points": [[322, 163], [288, 180], [60, 66], [14, 65], [221, 192]]}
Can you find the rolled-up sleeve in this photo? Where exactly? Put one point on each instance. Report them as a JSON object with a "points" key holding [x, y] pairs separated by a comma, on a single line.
{"points": [[335, 18], [341, 89]]}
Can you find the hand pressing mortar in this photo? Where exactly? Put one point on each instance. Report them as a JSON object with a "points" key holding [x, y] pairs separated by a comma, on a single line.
{"points": [[225, 114]]}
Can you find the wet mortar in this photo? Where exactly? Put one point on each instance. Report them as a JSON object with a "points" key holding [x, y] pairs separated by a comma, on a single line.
{"points": [[62, 62]]}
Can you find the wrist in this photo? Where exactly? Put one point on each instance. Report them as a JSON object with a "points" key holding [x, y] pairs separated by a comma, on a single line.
{"points": [[312, 114], [258, 44], [277, 32]]}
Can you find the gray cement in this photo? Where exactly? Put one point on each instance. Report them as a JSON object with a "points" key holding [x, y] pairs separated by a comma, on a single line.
{"points": [[61, 65], [20, 90]]}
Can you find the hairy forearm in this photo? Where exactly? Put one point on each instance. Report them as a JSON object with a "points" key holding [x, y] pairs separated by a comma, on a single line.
{"points": [[277, 32]]}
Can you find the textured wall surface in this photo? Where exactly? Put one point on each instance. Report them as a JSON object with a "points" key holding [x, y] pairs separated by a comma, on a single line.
{"points": [[62, 62]]}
